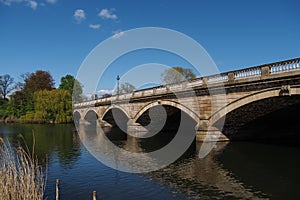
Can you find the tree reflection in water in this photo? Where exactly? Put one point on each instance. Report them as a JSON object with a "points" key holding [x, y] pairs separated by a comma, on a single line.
{"points": [[50, 141]]}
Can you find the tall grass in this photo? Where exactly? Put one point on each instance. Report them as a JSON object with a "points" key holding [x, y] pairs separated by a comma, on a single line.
{"points": [[21, 177]]}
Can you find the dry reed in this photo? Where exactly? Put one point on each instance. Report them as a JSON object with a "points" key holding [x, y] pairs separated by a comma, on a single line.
{"points": [[21, 177]]}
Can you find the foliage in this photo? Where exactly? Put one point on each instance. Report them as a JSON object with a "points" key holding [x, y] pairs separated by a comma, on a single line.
{"points": [[53, 106], [39, 80], [69, 83], [22, 103], [3, 106], [6, 85], [17, 105], [177, 74], [106, 95], [126, 88], [38, 101]]}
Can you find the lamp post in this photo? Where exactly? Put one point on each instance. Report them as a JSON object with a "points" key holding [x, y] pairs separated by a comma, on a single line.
{"points": [[118, 78]]}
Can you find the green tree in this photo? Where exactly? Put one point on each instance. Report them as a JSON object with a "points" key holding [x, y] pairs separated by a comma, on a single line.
{"points": [[17, 105], [177, 74], [53, 106], [22, 102], [6, 85], [3, 106], [69, 83], [126, 88]]}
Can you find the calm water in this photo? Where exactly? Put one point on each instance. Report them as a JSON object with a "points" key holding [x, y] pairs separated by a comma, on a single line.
{"points": [[237, 170]]}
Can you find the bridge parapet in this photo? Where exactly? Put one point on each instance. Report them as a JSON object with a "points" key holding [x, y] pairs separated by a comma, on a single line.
{"points": [[246, 73], [285, 66], [261, 72]]}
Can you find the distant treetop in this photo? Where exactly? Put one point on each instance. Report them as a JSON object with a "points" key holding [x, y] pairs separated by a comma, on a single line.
{"points": [[177, 74]]}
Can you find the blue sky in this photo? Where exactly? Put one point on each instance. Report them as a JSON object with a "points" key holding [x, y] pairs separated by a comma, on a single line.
{"points": [[57, 35]]}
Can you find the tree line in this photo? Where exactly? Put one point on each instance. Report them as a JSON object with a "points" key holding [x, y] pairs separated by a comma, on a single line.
{"points": [[35, 98]]}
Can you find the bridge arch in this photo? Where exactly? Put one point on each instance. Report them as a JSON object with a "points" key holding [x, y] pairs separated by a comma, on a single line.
{"points": [[85, 112], [114, 107], [247, 100], [77, 116], [91, 115], [175, 104]]}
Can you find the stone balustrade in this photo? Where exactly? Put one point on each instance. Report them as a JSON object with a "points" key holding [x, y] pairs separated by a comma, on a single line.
{"points": [[285, 67], [194, 82], [262, 71], [218, 78], [246, 73], [161, 90]]}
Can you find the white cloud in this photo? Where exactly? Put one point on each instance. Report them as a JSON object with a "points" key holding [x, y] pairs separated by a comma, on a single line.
{"points": [[79, 15], [32, 4], [117, 34], [105, 91], [94, 26], [51, 1], [107, 14]]}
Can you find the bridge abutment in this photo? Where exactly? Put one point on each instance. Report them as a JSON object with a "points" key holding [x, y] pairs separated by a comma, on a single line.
{"points": [[135, 129], [82, 121], [103, 123], [207, 133], [210, 136]]}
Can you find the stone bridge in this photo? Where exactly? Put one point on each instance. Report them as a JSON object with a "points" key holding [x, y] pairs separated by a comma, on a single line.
{"points": [[218, 105]]}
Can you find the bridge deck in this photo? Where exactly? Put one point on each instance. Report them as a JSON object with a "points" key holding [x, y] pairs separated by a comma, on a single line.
{"points": [[262, 73]]}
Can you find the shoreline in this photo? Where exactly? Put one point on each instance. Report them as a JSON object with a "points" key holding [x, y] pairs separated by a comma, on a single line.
{"points": [[9, 120]]}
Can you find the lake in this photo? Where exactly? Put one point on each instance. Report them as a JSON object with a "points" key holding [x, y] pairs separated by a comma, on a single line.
{"points": [[235, 170]]}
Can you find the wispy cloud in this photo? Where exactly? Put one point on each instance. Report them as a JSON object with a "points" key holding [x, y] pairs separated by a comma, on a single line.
{"points": [[32, 4], [117, 34], [9, 2], [79, 15], [107, 14], [29, 3], [51, 1], [94, 26]]}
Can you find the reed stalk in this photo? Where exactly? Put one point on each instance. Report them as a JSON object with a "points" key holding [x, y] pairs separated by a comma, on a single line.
{"points": [[21, 177]]}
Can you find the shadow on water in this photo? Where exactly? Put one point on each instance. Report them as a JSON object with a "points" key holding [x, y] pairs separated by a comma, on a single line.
{"points": [[272, 169], [158, 138], [205, 178], [177, 122], [266, 156], [237, 170]]}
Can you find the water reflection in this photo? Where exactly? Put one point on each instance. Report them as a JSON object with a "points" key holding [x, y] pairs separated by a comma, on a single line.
{"points": [[132, 154], [50, 141], [273, 169], [205, 178], [236, 170], [126, 156], [190, 175]]}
